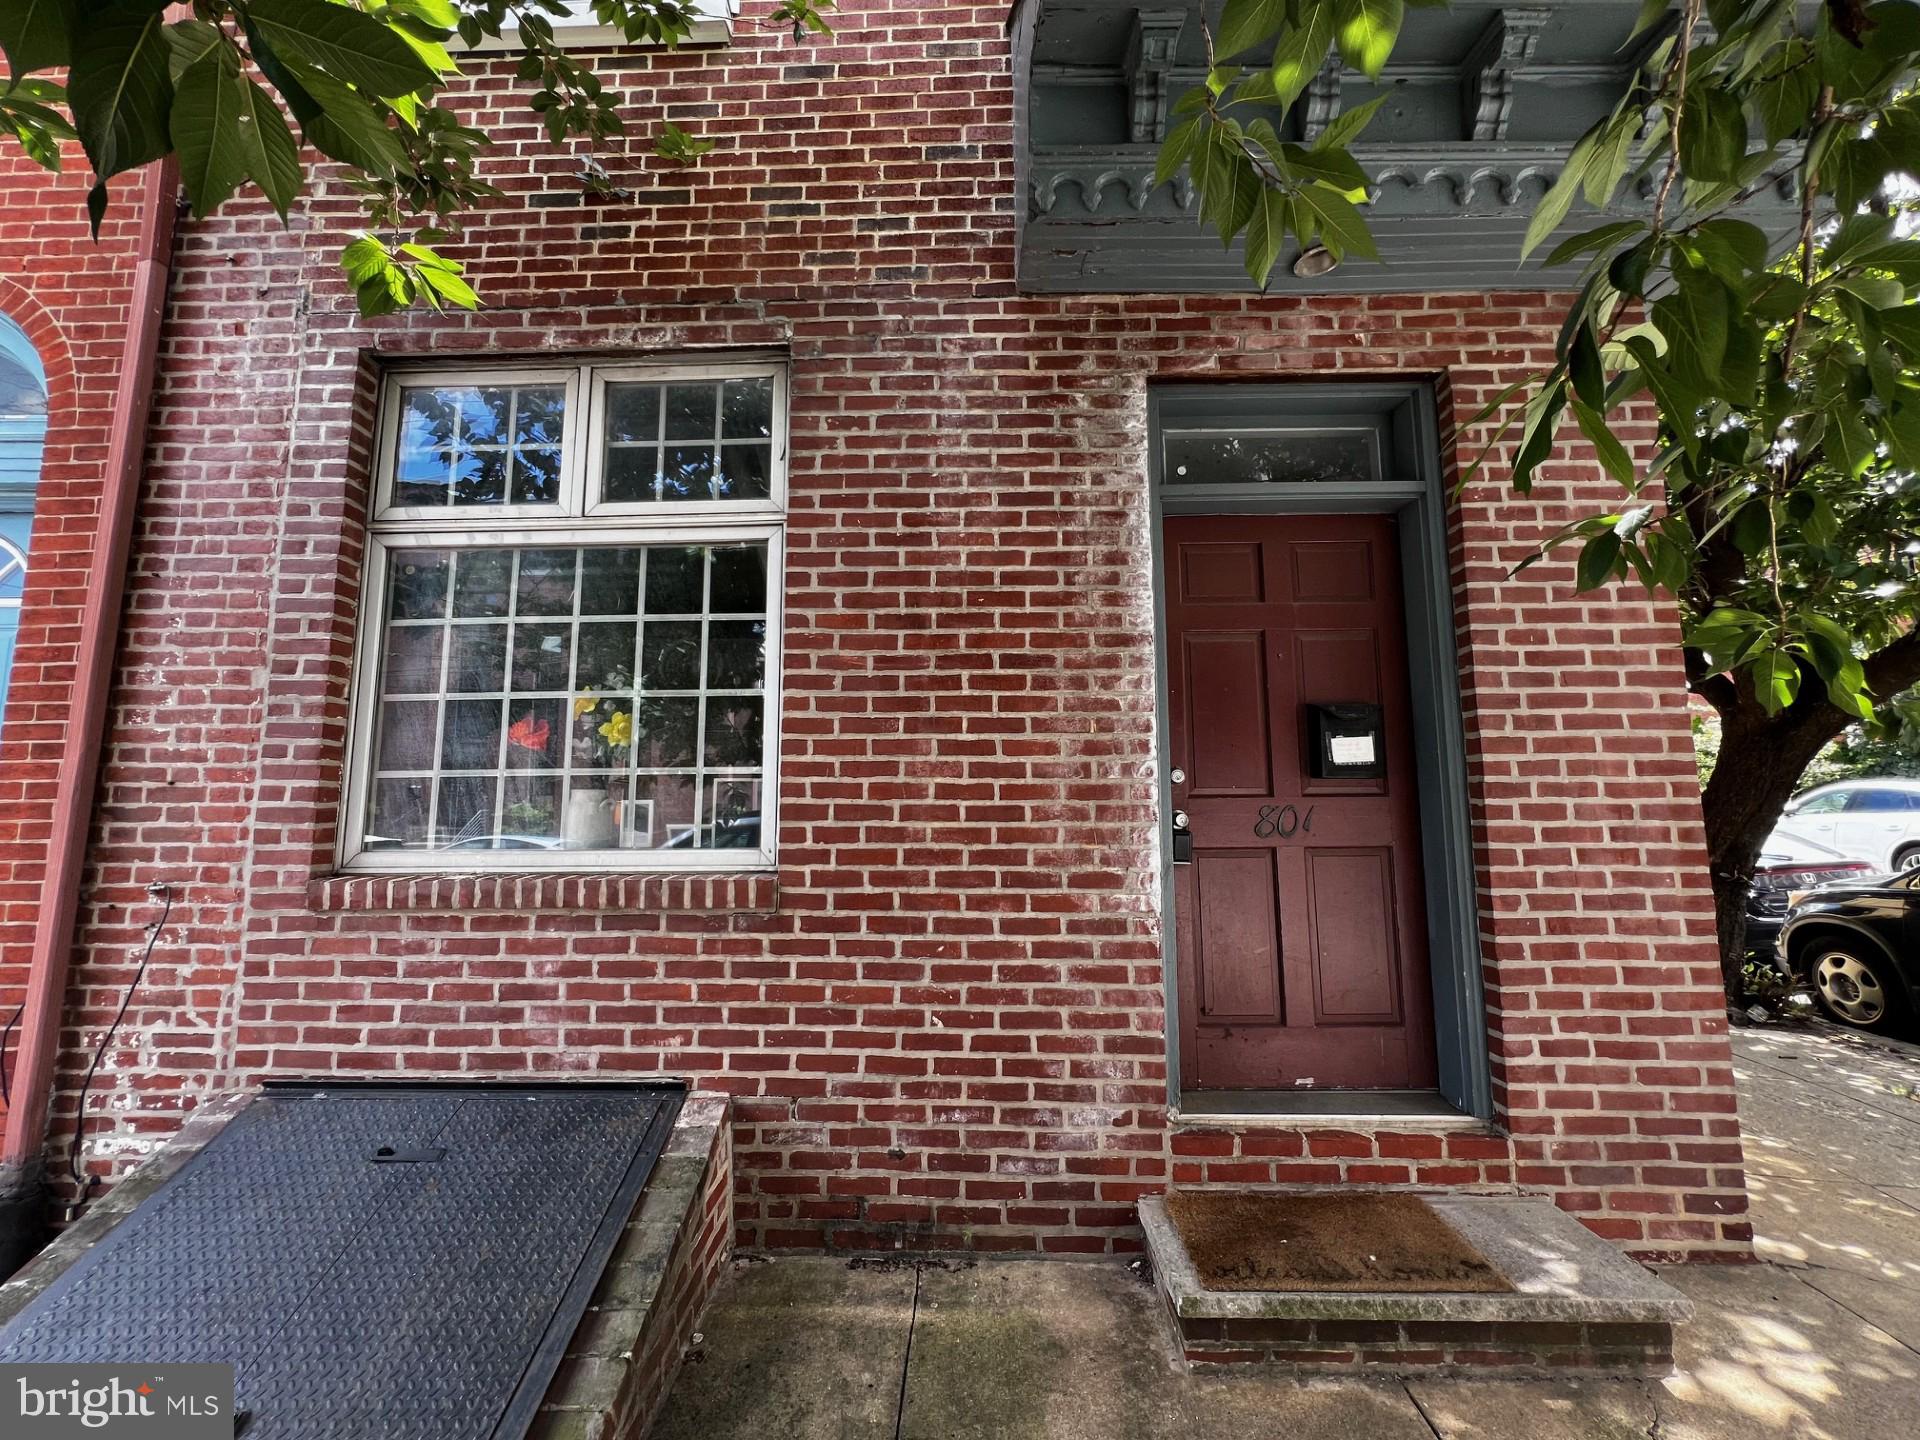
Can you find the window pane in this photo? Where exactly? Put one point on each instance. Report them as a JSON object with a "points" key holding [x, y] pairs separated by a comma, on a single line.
{"points": [[691, 411], [633, 474], [670, 655], [745, 472], [1259, 457], [483, 580], [687, 441], [471, 447], [747, 408], [739, 579], [419, 588], [583, 698], [736, 654], [687, 473], [413, 660], [610, 582], [633, 412], [676, 580], [479, 660]]}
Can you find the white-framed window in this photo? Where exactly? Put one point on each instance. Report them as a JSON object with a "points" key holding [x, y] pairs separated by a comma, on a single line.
{"points": [[580, 28], [569, 648]]}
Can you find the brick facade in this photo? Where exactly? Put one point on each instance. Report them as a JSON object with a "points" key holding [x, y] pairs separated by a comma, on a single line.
{"points": [[943, 1020], [71, 296]]}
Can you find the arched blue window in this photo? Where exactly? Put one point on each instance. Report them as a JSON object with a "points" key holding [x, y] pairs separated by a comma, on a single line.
{"points": [[23, 435]]}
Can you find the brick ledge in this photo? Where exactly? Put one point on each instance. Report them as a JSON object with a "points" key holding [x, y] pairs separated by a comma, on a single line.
{"points": [[676, 893]]}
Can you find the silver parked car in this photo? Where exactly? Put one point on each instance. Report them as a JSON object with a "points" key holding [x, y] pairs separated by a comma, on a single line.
{"points": [[1877, 821]]}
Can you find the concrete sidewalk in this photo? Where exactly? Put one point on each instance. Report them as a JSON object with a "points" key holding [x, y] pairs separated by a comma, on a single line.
{"points": [[1820, 1343]]}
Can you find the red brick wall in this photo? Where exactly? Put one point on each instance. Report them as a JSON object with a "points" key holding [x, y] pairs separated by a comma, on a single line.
{"points": [[947, 1026], [70, 294]]}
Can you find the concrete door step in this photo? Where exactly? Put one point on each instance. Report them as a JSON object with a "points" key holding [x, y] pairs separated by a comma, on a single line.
{"points": [[1577, 1304]]}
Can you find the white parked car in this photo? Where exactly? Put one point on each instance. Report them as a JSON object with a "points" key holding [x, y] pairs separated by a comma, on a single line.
{"points": [[1877, 821]]}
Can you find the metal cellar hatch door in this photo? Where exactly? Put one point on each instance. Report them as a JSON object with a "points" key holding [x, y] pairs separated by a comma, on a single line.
{"points": [[423, 1293]]}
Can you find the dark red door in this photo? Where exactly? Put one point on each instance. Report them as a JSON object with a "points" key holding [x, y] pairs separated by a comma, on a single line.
{"points": [[1301, 933]]}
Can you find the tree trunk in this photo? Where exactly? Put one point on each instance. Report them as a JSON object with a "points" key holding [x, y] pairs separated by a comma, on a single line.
{"points": [[1762, 758]]}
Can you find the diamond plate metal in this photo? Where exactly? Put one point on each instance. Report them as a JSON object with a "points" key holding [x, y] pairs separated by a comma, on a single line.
{"points": [[412, 1301]]}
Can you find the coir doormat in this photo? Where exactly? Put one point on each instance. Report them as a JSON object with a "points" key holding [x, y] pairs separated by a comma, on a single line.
{"points": [[1240, 1240]]}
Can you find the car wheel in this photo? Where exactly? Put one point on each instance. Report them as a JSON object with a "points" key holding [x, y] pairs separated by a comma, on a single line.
{"points": [[1854, 984], [1908, 859]]}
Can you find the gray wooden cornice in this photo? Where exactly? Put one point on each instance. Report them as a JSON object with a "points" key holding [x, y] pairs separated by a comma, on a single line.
{"points": [[1484, 101]]}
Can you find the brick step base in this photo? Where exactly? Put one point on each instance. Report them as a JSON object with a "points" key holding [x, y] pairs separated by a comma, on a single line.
{"points": [[1577, 1304]]}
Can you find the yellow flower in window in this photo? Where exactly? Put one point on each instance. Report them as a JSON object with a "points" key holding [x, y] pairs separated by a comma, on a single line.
{"points": [[583, 705], [618, 732]]}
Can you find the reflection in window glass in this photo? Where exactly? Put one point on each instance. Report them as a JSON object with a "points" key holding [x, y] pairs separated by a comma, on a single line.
{"points": [[464, 446], [1255, 457], [688, 440], [587, 698]]}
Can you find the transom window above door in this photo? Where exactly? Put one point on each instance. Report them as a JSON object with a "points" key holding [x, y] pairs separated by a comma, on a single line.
{"points": [[570, 653]]}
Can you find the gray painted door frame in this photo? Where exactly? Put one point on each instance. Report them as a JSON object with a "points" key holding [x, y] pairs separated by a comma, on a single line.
{"points": [[1405, 427]]}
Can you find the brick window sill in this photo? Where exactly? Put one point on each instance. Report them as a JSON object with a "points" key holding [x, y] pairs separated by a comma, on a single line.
{"points": [[674, 893]]}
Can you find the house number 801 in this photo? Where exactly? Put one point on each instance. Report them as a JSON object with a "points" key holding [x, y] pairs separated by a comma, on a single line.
{"points": [[1284, 821]]}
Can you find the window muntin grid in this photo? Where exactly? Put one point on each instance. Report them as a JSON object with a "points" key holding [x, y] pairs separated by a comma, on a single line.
{"points": [[466, 446], [493, 656], [686, 442], [602, 697]]}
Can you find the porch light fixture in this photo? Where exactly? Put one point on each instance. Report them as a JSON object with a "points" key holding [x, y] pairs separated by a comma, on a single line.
{"points": [[1314, 261]]}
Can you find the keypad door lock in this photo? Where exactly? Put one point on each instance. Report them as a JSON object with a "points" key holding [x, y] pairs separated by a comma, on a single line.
{"points": [[1182, 839]]}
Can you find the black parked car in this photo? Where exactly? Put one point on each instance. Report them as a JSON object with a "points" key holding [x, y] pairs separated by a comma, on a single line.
{"points": [[1856, 943], [1785, 868]]}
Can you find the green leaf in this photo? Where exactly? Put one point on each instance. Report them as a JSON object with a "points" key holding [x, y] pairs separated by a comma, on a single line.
{"points": [[1713, 135], [1366, 30], [1612, 154], [1302, 50], [1584, 367], [1601, 237], [227, 129], [1599, 558], [680, 146], [1735, 244], [1266, 234], [205, 131], [1850, 440], [120, 89], [1542, 417], [190, 41], [1776, 680], [1784, 102], [1554, 205], [33, 35], [338, 121], [273, 160], [1245, 23], [348, 44], [1345, 127], [1901, 326], [1341, 225], [1176, 150], [1694, 322], [1652, 12], [1613, 455], [1334, 168], [1753, 528]]}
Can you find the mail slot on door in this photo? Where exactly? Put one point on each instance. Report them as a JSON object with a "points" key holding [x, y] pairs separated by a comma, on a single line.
{"points": [[1344, 741]]}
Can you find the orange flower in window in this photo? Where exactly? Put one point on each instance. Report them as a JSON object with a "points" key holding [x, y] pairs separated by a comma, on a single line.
{"points": [[530, 734]]}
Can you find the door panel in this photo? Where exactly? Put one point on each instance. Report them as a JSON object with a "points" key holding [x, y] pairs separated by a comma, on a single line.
{"points": [[1300, 929], [1356, 965], [1238, 917], [1227, 679]]}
